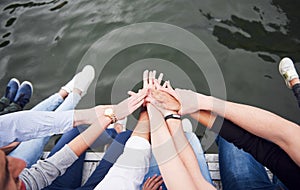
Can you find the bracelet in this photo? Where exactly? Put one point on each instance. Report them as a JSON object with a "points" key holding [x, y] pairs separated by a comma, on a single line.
{"points": [[172, 116]]}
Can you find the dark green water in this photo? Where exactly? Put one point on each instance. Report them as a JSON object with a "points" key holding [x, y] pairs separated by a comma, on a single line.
{"points": [[44, 42]]}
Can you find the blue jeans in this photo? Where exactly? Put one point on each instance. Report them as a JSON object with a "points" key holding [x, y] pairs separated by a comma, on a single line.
{"points": [[31, 151], [195, 143], [239, 170], [72, 178], [296, 90]]}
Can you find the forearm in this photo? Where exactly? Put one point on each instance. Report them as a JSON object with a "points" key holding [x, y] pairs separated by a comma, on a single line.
{"points": [[83, 141], [186, 153], [46, 171], [257, 121], [164, 150], [206, 118]]}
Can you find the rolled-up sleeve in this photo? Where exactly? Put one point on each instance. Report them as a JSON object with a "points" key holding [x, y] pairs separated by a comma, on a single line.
{"points": [[26, 125], [46, 171]]}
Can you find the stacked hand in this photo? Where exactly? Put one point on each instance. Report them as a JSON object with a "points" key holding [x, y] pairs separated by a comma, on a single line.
{"points": [[163, 97]]}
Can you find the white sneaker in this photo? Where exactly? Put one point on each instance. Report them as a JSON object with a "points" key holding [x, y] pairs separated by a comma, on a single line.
{"points": [[81, 80], [287, 70]]}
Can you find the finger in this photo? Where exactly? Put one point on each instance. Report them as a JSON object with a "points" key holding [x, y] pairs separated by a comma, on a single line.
{"points": [[131, 93], [150, 83], [165, 84], [153, 74], [157, 184], [160, 188], [147, 182], [152, 181], [160, 77], [169, 85], [157, 84], [145, 78]]}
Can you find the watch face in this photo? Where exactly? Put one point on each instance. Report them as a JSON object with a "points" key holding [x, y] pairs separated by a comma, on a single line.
{"points": [[108, 111]]}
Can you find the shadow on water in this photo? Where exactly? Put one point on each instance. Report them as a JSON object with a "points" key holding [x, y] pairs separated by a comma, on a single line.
{"points": [[252, 35]]}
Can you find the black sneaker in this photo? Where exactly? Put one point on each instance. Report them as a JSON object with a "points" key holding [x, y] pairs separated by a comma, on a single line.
{"points": [[13, 107], [10, 93]]}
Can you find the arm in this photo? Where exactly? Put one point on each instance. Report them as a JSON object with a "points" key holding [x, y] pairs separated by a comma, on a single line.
{"points": [[187, 154], [169, 140], [44, 172], [264, 151], [183, 147], [163, 148], [257, 121]]}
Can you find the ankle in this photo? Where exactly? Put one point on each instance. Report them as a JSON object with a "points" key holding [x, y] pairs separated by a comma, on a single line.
{"points": [[294, 81], [77, 91], [63, 93]]}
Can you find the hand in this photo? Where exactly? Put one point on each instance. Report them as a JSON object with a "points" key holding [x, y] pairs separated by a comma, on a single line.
{"points": [[149, 79], [188, 99], [153, 183], [163, 101], [129, 105]]}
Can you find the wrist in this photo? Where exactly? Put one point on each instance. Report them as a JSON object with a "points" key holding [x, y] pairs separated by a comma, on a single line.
{"points": [[172, 116], [169, 112], [203, 102]]}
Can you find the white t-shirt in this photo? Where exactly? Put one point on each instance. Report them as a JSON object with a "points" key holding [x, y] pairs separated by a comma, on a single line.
{"points": [[129, 170]]}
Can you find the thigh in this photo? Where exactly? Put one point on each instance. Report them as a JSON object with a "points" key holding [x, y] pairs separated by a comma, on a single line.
{"points": [[110, 157], [239, 170], [195, 143], [30, 151], [73, 176]]}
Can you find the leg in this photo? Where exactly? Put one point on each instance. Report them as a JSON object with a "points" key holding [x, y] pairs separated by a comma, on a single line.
{"points": [[49, 104], [72, 177], [195, 143], [30, 151], [132, 165], [296, 90], [239, 170], [110, 157]]}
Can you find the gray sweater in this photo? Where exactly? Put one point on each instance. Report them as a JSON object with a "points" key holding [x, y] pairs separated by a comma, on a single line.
{"points": [[46, 171]]}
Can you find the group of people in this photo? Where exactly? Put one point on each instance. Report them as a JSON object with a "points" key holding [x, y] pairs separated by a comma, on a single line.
{"points": [[158, 153]]}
